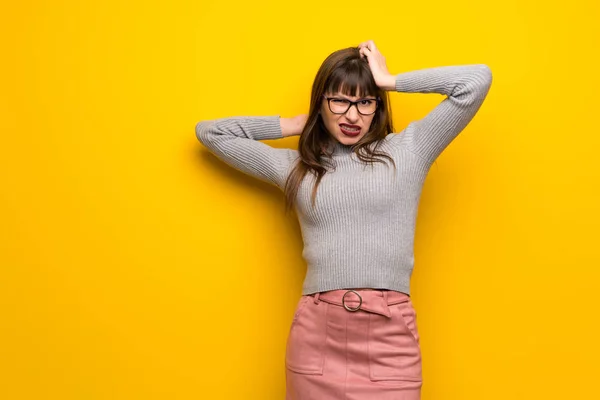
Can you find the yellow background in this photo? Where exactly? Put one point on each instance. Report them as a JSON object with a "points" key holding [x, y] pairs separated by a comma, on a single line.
{"points": [[135, 265]]}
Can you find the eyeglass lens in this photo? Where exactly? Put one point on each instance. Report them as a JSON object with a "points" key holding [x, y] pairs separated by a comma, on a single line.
{"points": [[340, 106]]}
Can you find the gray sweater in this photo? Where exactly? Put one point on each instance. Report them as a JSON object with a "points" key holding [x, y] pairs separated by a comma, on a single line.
{"points": [[361, 232]]}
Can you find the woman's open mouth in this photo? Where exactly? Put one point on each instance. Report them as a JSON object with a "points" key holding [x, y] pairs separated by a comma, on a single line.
{"points": [[350, 130]]}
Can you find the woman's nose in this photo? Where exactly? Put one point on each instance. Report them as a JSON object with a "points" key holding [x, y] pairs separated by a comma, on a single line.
{"points": [[352, 112]]}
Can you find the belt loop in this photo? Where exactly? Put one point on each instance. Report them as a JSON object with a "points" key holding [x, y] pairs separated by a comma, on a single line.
{"points": [[385, 296], [317, 297]]}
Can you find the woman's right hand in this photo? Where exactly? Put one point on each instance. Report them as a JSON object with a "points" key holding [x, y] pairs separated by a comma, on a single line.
{"points": [[293, 126]]}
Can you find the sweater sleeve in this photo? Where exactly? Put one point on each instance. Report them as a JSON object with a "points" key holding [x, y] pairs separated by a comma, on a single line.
{"points": [[235, 140], [466, 87]]}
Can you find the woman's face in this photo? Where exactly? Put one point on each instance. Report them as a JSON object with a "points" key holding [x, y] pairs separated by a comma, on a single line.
{"points": [[336, 124]]}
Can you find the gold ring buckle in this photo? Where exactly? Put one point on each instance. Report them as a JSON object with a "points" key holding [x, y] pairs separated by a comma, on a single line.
{"points": [[359, 299]]}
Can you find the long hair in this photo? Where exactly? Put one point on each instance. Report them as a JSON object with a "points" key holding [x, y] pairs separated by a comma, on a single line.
{"points": [[343, 71]]}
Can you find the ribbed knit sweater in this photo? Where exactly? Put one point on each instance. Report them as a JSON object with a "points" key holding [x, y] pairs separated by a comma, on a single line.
{"points": [[361, 232]]}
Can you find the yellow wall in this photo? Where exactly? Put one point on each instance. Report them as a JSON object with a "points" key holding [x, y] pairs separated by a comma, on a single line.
{"points": [[134, 265]]}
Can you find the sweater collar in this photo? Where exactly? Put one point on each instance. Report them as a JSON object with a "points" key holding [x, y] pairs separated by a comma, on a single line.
{"points": [[340, 149]]}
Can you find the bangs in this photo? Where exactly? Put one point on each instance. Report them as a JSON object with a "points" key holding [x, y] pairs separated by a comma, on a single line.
{"points": [[351, 79]]}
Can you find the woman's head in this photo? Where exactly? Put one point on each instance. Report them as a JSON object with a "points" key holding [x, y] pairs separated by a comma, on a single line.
{"points": [[343, 77]]}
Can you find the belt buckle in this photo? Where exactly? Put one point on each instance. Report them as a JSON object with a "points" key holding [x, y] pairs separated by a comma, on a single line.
{"points": [[349, 308]]}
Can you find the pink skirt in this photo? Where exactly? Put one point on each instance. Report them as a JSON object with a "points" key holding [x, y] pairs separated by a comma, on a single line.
{"points": [[354, 345]]}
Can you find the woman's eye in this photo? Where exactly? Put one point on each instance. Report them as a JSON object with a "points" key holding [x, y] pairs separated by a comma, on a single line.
{"points": [[366, 102], [340, 101]]}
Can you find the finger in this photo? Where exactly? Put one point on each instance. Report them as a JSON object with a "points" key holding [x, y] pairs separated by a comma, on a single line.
{"points": [[372, 45], [366, 53]]}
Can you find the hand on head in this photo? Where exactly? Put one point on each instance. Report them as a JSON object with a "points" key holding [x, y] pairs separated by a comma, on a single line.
{"points": [[376, 62]]}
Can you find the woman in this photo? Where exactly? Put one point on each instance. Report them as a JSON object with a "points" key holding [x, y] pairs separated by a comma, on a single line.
{"points": [[354, 333]]}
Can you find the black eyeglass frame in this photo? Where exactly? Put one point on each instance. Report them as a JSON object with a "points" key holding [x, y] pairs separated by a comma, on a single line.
{"points": [[377, 100]]}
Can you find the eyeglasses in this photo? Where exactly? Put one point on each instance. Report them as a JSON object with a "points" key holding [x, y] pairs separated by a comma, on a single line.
{"points": [[341, 106]]}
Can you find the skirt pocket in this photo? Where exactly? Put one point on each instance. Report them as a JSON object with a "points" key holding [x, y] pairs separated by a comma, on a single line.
{"points": [[393, 345], [307, 336]]}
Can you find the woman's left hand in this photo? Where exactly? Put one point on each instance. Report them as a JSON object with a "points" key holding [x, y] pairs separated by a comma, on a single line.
{"points": [[376, 61]]}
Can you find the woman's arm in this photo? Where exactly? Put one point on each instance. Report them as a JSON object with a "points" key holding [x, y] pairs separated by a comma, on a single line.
{"points": [[235, 140], [466, 87]]}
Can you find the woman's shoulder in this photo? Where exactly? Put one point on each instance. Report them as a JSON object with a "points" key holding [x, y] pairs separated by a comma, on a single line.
{"points": [[402, 142]]}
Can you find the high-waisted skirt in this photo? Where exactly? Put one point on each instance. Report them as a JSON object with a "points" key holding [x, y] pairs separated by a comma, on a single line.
{"points": [[354, 345]]}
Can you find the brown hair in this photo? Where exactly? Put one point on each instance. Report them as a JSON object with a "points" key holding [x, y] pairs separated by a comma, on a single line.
{"points": [[343, 71]]}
